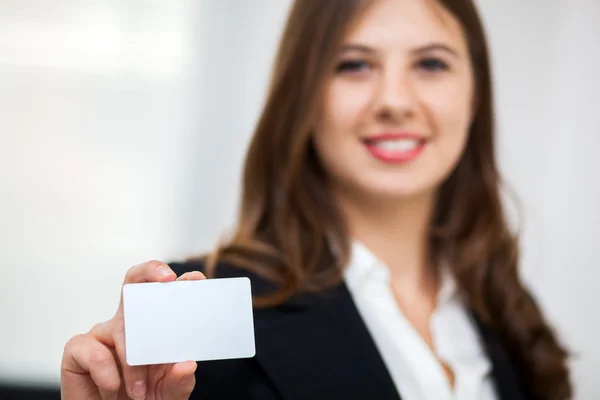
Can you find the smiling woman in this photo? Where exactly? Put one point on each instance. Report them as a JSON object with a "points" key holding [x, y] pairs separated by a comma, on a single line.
{"points": [[403, 89], [371, 227], [387, 142]]}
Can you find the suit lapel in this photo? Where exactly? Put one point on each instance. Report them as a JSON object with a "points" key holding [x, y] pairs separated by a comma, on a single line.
{"points": [[318, 347], [505, 379]]}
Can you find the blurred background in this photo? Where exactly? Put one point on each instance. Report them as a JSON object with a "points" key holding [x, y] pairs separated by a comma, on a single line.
{"points": [[114, 113]]}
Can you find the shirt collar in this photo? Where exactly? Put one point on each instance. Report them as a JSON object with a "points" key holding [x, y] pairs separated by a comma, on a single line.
{"points": [[365, 267], [448, 288]]}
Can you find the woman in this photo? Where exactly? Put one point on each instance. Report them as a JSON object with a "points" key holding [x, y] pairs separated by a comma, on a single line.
{"points": [[371, 226]]}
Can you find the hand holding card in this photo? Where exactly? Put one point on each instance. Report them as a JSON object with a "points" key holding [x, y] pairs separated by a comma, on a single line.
{"points": [[94, 364]]}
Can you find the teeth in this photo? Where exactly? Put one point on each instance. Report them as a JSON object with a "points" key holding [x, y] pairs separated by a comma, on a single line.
{"points": [[398, 144]]}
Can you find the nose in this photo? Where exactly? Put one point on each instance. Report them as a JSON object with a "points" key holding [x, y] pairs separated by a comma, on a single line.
{"points": [[395, 99]]}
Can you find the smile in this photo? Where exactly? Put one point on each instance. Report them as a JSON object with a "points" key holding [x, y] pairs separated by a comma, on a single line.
{"points": [[395, 150]]}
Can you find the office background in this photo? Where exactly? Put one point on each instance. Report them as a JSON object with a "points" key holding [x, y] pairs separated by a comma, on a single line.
{"points": [[114, 113]]}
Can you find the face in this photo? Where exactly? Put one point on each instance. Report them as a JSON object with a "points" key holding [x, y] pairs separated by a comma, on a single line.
{"points": [[398, 106]]}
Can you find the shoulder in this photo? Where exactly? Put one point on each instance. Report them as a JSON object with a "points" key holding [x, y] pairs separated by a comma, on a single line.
{"points": [[181, 267], [227, 379], [235, 378], [260, 286]]}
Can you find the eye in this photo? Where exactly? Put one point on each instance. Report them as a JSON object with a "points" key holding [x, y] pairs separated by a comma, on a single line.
{"points": [[352, 66], [432, 64]]}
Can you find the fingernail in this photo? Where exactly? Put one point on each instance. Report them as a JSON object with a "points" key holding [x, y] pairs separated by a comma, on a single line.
{"points": [[164, 271], [139, 390]]}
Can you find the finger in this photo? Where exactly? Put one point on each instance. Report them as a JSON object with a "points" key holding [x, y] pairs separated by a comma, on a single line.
{"points": [[112, 334], [102, 332], [192, 276], [85, 355], [134, 377], [151, 271], [179, 381]]}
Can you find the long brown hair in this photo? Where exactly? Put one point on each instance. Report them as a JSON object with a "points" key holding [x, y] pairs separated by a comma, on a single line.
{"points": [[290, 231]]}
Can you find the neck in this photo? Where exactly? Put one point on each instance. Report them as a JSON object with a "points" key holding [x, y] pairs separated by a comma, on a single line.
{"points": [[397, 234]]}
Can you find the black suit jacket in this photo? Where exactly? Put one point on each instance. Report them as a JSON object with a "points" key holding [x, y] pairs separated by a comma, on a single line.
{"points": [[316, 347]]}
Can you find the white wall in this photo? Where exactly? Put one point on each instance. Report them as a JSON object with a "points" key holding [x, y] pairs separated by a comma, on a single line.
{"points": [[123, 126], [114, 116], [547, 89]]}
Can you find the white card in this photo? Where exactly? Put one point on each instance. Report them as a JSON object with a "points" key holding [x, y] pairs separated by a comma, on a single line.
{"points": [[168, 322]]}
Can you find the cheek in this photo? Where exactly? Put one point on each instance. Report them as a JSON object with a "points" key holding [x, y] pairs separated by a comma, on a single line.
{"points": [[344, 108], [450, 112], [341, 125]]}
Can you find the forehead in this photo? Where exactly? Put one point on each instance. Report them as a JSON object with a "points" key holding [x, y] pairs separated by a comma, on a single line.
{"points": [[406, 23]]}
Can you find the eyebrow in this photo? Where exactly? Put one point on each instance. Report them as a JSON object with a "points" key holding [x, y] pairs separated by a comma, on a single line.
{"points": [[423, 49], [437, 46]]}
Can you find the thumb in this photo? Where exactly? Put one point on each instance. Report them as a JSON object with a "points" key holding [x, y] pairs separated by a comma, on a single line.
{"points": [[179, 381]]}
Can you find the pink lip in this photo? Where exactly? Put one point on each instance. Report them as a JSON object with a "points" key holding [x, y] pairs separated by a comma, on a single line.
{"points": [[394, 135], [391, 156]]}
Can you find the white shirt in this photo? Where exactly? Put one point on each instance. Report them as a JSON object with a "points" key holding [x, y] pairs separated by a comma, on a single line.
{"points": [[412, 365]]}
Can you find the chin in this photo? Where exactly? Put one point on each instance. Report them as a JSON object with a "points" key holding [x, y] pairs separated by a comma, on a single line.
{"points": [[376, 188], [399, 193]]}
